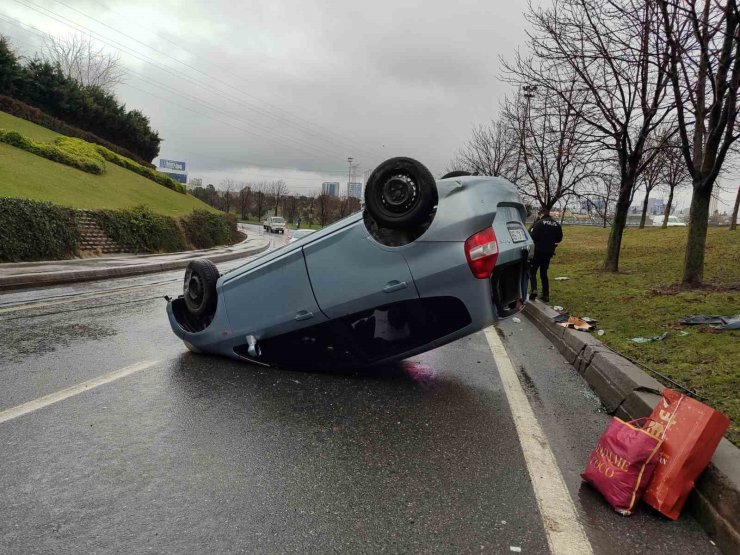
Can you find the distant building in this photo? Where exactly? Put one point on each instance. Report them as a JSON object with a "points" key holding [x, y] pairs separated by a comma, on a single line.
{"points": [[354, 190], [330, 188], [194, 182], [656, 206]]}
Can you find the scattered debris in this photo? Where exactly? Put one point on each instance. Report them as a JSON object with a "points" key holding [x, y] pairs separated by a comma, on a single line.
{"points": [[561, 278], [558, 308], [660, 337], [574, 322], [515, 548], [682, 333], [589, 320], [600, 332], [516, 320], [717, 322]]}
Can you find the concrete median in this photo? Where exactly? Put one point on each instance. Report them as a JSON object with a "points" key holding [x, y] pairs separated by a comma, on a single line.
{"points": [[628, 392], [27, 275]]}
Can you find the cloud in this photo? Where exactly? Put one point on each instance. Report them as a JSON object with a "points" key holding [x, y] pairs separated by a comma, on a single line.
{"points": [[297, 85]]}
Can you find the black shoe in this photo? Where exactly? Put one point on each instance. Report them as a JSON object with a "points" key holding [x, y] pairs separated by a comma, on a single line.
{"points": [[533, 295]]}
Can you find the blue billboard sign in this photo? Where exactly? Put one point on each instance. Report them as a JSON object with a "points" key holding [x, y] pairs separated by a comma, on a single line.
{"points": [[172, 165], [179, 177]]}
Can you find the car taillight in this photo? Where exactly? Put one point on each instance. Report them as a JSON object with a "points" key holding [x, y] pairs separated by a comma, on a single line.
{"points": [[481, 250]]}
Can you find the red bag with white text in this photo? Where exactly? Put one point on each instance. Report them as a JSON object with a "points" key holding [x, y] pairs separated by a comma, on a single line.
{"points": [[691, 432], [621, 465]]}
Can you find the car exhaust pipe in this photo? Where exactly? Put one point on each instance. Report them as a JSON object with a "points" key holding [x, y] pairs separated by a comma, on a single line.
{"points": [[253, 347]]}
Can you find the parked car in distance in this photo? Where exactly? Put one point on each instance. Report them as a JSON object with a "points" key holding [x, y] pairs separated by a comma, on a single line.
{"points": [[673, 221], [274, 224], [427, 262], [299, 234]]}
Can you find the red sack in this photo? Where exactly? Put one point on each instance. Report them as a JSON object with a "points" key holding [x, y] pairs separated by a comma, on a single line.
{"points": [[691, 432], [622, 463]]}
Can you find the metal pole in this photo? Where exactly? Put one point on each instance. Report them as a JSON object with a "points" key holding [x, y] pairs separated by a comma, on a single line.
{"points": [[349, 173]]}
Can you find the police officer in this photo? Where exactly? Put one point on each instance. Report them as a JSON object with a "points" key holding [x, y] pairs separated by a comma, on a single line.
{"points": [[546, 234]]}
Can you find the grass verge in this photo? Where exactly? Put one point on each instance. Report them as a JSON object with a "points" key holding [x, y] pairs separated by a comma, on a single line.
{"points": [[643, 300]]}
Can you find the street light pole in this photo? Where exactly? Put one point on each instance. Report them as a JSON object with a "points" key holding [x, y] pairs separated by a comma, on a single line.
{"points": [[349, 173]]}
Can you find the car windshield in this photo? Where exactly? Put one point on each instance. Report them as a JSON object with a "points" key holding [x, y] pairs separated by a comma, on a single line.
{"points": [[278, 221], [302, 233]]}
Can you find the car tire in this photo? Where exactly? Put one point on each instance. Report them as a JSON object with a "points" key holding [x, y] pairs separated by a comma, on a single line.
{"points": [[456, 173], [400, 193], [199, 287]]}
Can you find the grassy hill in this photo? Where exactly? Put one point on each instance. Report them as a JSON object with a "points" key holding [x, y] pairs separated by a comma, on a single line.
{"points": [[25, 175]]}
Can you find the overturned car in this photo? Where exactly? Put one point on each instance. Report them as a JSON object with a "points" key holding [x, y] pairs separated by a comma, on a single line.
{"points": [[426, 262]]}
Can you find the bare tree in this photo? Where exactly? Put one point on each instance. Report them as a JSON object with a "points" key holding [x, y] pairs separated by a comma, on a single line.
{"points": [[704, 41], [259, 199], [600, 195], [735, 210], [245, 200], [491, 150], [323, 206], [227, 187], [553, 160], [277, 189], [290, 208], [78, 58], [613, 52], [675, 174], [654, 172]]}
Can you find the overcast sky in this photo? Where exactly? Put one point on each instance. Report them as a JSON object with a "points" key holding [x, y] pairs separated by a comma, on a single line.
{"points": [[291, 88]]}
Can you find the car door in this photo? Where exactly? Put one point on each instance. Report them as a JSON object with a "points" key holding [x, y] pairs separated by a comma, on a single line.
{"points": [[350, 272], [271, 299]]}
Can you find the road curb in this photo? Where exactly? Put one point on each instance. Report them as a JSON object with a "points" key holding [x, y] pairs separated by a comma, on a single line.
{"points": [[25, 281], [628, 392]]}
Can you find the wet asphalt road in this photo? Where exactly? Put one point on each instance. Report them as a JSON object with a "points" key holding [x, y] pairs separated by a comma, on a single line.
{"points": [[199, 454]]}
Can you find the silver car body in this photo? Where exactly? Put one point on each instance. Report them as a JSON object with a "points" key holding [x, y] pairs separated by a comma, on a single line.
{"points": [[340, 279]]}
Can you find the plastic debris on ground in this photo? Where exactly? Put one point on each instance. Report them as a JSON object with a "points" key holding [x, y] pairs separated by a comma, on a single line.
{"points": [[515, 549], [600, 332], [561, 278], [717, 322], [660, 337], [558, 308], [516, 320]]}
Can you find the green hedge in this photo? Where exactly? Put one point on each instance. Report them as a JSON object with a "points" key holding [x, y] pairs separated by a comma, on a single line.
{"points": [[22, 110], [85, 156], [141, 230], [33, 230], [87, 162], [144, 171], [204, 229]]}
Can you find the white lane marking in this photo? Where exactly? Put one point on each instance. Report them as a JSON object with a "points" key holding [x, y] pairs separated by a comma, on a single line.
{"points": [[71, 391], [565, 535]]}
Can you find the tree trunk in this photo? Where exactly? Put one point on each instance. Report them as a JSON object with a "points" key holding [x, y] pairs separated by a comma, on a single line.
{"points": [[733, 222], [644, 209], [693, 266], [668, 209], [614, 245]]}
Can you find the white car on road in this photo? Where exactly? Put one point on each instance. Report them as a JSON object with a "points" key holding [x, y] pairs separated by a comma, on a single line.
{"points": [[274, 224]]}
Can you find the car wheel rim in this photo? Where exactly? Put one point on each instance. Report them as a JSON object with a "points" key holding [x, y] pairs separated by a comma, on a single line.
{"points": [[399, 194], [194, 290]]}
